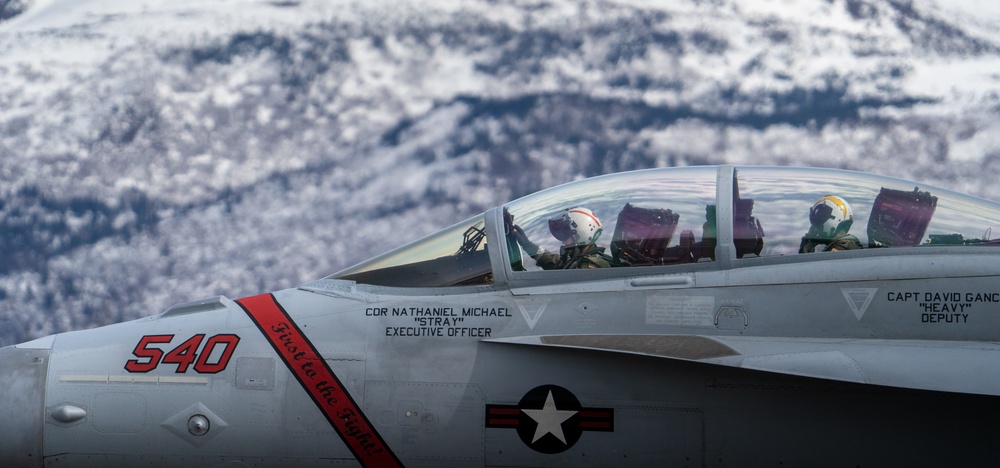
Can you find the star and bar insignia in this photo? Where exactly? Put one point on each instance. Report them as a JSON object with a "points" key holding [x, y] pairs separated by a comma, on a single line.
{"points": [[550, 419]]}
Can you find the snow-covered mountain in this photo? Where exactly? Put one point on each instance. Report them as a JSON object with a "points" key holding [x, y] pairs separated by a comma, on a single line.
{"points": [[160, 151]]}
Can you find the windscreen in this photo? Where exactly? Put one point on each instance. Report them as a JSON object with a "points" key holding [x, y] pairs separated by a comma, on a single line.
{"points": [[452, 257]]}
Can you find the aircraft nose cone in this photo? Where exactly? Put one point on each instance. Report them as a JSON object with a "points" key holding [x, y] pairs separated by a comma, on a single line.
{"points": [[22, 394]]}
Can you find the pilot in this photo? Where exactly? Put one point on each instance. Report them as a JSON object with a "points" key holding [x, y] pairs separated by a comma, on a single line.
{"points": [[578, 230], [830, 220]]}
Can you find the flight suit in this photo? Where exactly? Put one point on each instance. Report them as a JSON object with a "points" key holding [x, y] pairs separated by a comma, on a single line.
{"points": [[842, 241], [587, 256]]}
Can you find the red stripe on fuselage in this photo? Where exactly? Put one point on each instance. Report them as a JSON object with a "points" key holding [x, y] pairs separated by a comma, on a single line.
{"points": [[319, 381]]}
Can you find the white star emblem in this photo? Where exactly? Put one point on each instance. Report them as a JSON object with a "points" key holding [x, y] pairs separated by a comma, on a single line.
{"points": [[549, 419]]}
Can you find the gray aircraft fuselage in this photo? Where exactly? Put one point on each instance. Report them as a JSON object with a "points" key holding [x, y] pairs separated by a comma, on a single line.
{"points": [[886, 355]]}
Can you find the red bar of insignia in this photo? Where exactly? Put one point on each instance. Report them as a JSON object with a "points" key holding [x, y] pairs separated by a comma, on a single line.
{"points": [[597, 419], [502, 416]]}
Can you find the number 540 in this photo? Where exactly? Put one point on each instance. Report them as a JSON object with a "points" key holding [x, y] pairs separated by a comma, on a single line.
{"points": [[184, 355]]}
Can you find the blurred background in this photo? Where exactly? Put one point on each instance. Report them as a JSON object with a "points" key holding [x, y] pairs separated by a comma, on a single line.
{"points": [[158, 151]]}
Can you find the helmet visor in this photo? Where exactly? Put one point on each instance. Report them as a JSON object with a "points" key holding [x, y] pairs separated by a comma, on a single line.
{"points": [[820, 214], [562, 228]]}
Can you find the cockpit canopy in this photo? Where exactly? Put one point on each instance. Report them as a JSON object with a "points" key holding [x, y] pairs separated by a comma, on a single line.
{"points": [[670, 217]]}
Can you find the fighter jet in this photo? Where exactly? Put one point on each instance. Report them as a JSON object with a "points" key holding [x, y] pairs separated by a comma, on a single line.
{"points": [[694, 316]]}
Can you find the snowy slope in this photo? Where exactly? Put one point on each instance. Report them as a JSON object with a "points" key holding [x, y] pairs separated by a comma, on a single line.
{"points": [[159, 151]]}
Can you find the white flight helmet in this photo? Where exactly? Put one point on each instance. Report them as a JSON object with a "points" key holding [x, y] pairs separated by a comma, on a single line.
{"points": [[830, 215], [576, 226]]}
